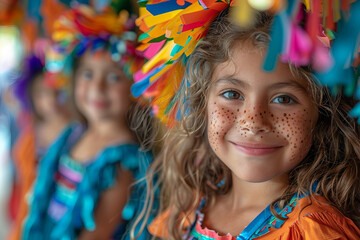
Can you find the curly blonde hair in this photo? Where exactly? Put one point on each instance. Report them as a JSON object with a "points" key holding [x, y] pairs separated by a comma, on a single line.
{"points": [[187, 159]]}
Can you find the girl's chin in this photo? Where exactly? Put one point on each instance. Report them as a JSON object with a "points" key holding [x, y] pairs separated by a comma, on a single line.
{"points": [[101, 117], [260, 177]]}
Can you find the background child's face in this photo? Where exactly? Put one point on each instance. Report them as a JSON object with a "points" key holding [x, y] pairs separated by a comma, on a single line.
{"points": [[259, 124], [45, 98], [102, 91]]}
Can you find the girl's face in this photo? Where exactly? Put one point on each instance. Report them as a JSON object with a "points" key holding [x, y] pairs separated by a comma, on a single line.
{"points": [[259, 123], [45, 98], [102, 90]]}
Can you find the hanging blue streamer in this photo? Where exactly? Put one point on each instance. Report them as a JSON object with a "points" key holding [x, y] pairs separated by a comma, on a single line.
{"points": [[276, 43], [279, 29], [343, 48], [33, 10]]}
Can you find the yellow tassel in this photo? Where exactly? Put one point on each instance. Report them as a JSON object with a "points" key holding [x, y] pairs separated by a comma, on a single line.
{"points": [[243, 14]]}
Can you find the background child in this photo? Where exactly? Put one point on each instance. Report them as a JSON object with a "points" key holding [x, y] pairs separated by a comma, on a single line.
{"points": [[265, 155], [83, 189], [44, 115]]}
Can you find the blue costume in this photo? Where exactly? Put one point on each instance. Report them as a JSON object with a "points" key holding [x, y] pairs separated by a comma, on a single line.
{"points": [[66, 191]]}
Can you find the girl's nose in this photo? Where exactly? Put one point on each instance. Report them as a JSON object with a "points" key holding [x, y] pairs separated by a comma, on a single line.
{"points": [[256, 120], [100, 84]]}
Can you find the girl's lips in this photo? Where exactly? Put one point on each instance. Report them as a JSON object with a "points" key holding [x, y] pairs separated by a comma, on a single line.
{"points": [[100, 104], [255, 149]]}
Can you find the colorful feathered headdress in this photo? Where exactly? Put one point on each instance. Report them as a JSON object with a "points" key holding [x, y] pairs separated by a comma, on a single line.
{"points": [[172, 29], [32, 66], [80, 29]]}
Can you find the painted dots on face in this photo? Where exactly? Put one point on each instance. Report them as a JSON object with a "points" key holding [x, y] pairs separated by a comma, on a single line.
{"points": [[219, 118], [287, 127]]}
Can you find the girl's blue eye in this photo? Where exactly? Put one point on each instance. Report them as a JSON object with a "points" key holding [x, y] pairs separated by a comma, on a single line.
{"points": [[88, 75], [232, 95], [112, 77], [284, 99]]}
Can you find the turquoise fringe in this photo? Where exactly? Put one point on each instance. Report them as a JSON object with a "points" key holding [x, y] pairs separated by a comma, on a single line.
{"points": [[100, 175]]}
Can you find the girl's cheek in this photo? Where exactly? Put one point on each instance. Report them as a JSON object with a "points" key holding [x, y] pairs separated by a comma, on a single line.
{"points": [[120, 92], [120, 97], [295, 128], [220, 120], [79, 94], [302, 134]]}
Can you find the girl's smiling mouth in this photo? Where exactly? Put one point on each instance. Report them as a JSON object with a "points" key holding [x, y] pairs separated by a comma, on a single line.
{"points": [[100, 104], [255, 149]]}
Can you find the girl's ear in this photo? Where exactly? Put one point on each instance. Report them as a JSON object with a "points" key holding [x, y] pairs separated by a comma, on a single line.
{"points": [[72, 102], [148, 129]]}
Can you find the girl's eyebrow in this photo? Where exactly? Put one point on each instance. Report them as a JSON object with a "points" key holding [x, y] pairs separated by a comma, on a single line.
{"points": [[290, 83], [233, 81], [84, 66]]}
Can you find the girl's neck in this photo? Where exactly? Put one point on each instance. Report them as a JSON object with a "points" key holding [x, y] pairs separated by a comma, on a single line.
{"points": [[98, 136], [56, 120], [262, 194], [108, 128], [232, 212], [48, 129]]}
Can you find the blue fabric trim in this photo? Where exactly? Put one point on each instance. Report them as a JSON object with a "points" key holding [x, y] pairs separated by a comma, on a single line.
{"points": [[139, 197], [249, 231]]}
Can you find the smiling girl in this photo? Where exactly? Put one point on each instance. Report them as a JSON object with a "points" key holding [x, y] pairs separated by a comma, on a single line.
{"points": [[257, 155]]}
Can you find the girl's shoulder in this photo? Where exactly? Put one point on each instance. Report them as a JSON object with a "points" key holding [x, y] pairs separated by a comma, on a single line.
{"points": [[320, 218], [314, 218], [129, 155], [159, 226], [71, 131]]}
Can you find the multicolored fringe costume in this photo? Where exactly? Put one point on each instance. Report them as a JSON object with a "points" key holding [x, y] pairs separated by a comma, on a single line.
{"points": [[66, 192], [172, 29]]}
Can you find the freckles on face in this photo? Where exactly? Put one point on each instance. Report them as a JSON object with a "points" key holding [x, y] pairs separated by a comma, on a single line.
{"points": [[292, 129], [295, 127], [220, 120]]}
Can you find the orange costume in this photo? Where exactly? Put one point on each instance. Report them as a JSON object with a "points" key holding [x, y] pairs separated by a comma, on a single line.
{"points": [[25, 158], [308, 218]]}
